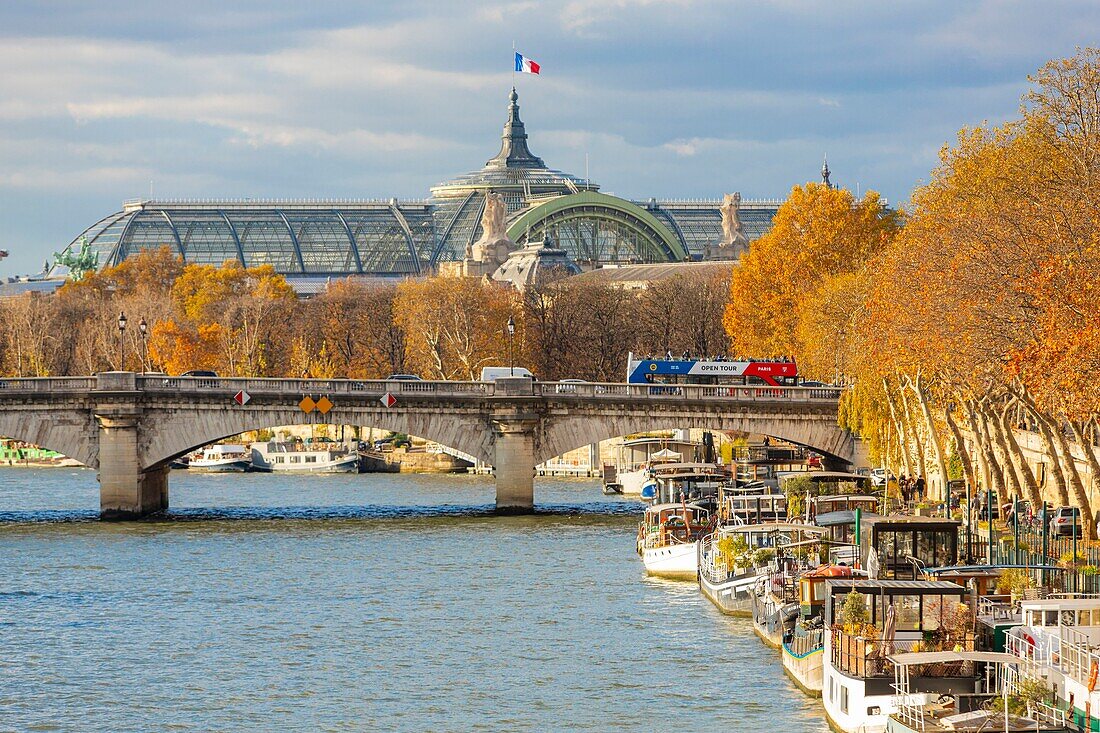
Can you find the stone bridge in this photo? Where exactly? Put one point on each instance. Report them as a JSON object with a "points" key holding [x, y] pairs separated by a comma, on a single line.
{"points": [[130, 426]]}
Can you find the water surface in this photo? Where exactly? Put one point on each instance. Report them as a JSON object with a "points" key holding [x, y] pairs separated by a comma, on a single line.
{"points": [[347, 603]]}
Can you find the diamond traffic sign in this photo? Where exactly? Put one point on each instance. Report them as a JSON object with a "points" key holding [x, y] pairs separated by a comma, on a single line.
{"points": [[388, 400], [242, 398], [307, 405], [324, 405]]}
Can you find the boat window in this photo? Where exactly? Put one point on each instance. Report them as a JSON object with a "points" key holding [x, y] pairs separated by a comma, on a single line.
{"points": [[1084, 617], [843, 699], [311, 459], [295, 459], [1050, 618], [907, 613], [1068, 618]]}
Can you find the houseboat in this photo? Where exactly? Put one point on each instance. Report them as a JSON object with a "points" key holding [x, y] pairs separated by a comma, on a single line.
{"points": [[636, 457], [803, 644], [221, 458], [672, 482], [288, 457], [737, 561], [1059, 639], [896, 616], [668, 539], [954, 690]]}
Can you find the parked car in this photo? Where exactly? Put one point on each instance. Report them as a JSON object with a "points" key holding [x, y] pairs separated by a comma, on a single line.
{"points": [[198, 373], [403, 378], [813, 383], [879, 476], [1064, 520]]}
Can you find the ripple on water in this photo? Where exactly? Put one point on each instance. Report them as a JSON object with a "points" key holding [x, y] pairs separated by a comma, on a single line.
{"points": [[360, 603]]}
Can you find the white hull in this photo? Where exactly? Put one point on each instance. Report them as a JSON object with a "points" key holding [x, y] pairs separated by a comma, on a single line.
{"points": [[632, 481], [237, 465], [675, 561], [349, 464]]}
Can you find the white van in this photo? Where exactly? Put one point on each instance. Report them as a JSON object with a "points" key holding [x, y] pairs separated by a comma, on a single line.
{"points": [[492, 374]]}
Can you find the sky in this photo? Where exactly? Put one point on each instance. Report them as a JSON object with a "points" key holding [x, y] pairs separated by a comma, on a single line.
{"points": [[106, 101]]}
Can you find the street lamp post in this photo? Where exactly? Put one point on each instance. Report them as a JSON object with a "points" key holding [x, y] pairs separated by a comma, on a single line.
{"points": [[143, 327], [122, 341], [511, 358]]}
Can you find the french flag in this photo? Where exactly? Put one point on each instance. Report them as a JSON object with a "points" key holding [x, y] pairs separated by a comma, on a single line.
{"points": [[526, 65]]}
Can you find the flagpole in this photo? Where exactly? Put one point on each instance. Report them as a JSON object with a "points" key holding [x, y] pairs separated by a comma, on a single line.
{"points": [[513, 64]]}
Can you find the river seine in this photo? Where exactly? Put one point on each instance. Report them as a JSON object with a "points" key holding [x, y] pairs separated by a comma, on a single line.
{"points": [[348, 603]]}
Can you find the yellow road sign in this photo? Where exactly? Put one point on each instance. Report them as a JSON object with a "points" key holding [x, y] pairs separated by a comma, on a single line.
{"points": [[324, 405], [307, 405]]}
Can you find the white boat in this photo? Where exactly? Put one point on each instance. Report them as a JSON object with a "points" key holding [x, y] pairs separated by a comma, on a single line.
{"points": [[278, 457], [858, 675], [636, 457], [668, 539], [737, 561], [221, 458]]}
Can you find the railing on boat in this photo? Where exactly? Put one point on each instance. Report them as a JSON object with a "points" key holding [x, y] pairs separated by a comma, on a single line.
{"points": [[803, 642], [865, 657]]}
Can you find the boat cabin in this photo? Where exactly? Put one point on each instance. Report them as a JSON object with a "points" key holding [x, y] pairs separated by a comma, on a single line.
{"points": [[811, 588], [905, 546], [908, 615], [664, 524], [829, 503], [755, 504], [641, 452], [687, 481]]}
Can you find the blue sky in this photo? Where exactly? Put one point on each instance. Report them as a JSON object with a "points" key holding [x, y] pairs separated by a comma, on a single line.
{"points": [[672, 98]]}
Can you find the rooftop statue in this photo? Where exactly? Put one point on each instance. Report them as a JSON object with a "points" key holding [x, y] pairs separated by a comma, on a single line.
{"points": [[733, 241], [732, 234], [84, 261], [493, 245]]}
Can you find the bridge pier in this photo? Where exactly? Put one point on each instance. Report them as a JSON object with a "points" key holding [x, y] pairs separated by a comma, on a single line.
{"points": [[126, 490], [514, 465]]}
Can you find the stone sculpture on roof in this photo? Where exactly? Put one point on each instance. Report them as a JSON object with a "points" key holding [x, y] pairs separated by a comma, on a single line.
{"points": [[494, 245], [733, 241]]}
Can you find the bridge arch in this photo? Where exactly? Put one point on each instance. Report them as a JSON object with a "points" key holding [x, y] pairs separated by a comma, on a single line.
{"points": [[71, 430], [179, 432], [570, 432]]}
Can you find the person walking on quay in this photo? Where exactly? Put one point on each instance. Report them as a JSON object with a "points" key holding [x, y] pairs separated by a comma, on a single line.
{"points": [[918, 488], [906, 491]]}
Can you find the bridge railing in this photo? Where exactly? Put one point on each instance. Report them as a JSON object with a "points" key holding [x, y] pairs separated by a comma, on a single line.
{"points": [[258, 386], [689, 392], [48, 384], [379, 387]]}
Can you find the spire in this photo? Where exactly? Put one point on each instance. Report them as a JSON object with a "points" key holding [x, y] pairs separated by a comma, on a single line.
{"points": [[825, 173], [513, 147]]}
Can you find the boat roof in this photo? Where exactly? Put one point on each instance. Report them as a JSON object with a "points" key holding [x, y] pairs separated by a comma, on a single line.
{"points": [[1061, 603], [226, 448], [908, 659], [910, 520], [774, 527], [683, 470], [917, 587], [829, 571], [825, 475], [663, 441], [845, 497], [653, 508], [841, 516], [977, 570]]}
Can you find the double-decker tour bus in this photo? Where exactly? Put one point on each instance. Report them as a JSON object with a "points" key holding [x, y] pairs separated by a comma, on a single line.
{"points": [[771, 372]]}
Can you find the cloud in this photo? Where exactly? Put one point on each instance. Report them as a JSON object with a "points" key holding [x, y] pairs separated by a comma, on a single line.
{"points": [[686, 98]]}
